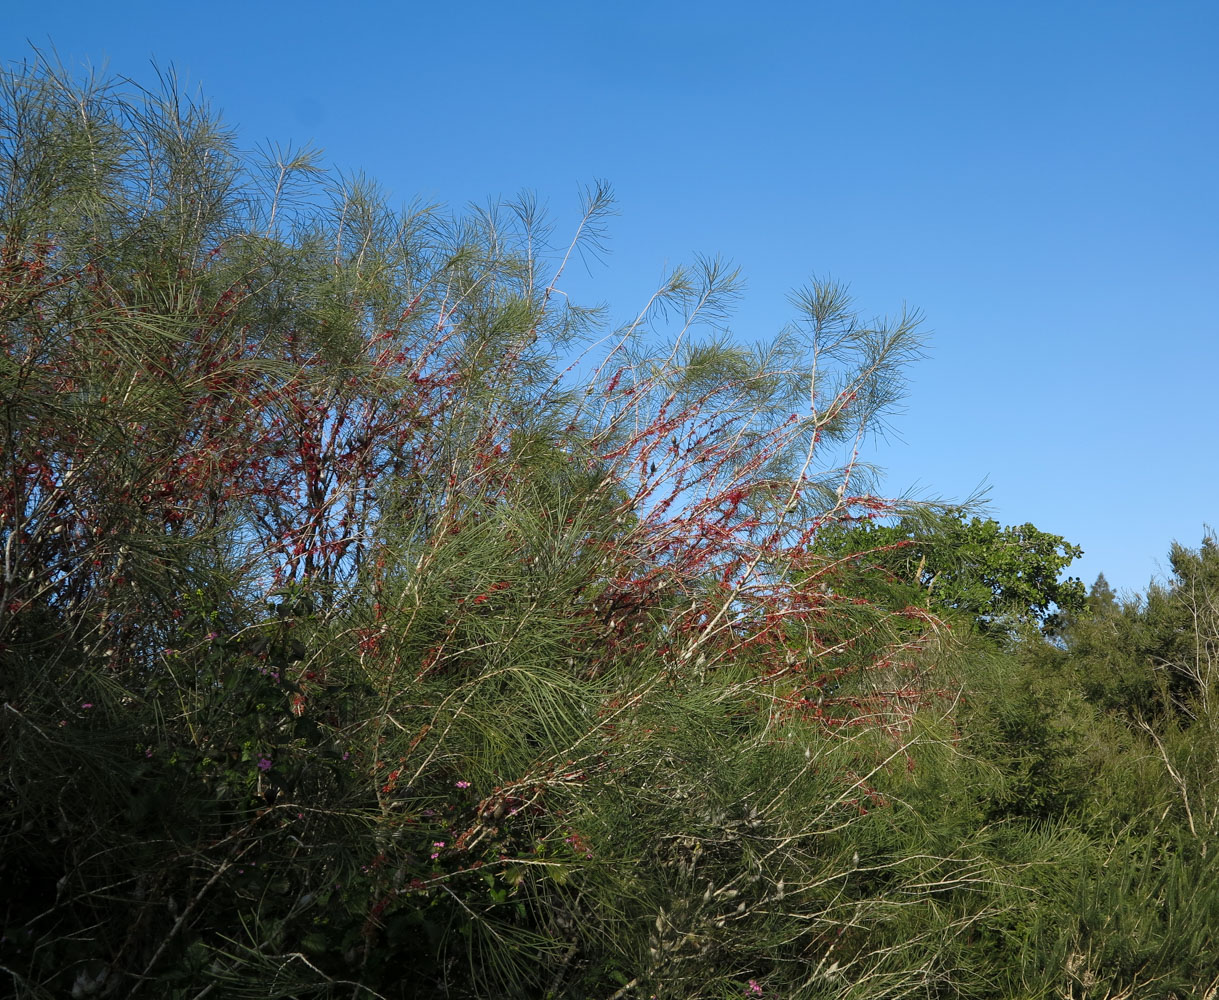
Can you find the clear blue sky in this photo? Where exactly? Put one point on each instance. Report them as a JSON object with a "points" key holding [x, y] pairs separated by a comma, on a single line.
{"points": [[1040, 178]]}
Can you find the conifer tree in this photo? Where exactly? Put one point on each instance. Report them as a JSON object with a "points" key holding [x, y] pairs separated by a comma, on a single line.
{"points": [[1101, 598]]}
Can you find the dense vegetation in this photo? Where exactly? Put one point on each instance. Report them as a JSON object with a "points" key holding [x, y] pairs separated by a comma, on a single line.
{"points": [[375, 624]]}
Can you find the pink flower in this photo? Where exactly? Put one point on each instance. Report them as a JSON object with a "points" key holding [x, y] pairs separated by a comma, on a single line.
{"points": [[86, 704], [463, 784], [753, 989]]}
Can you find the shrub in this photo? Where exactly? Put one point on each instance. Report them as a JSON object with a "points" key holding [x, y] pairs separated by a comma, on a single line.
{"points": [[348, 628]]}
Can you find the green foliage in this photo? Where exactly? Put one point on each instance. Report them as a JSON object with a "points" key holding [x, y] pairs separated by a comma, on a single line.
{"points": [[352, 646], [1002, 578], [1158, 656]]}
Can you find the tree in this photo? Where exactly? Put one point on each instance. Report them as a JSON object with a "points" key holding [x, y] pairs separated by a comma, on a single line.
{"points": [[1157, 657], [1001, 577], [1101, 598], [356, 640], [361, 633]]}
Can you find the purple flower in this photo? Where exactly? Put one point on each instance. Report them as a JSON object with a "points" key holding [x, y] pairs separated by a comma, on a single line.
{"points": [[86, 704], [264, 763]]}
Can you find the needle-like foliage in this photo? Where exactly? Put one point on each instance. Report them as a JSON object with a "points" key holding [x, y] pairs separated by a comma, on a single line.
{"points": [[375, 622]]}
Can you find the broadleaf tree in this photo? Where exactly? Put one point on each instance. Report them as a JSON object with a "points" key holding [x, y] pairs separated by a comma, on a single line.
{"points": [[1000, 577]]}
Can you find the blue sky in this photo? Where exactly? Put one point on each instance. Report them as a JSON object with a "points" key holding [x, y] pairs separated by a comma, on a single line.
{"points": [[1038, 178]]}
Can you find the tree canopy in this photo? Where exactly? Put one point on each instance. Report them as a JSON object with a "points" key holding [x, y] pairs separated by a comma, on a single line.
{"points": [[1001, 577]]}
